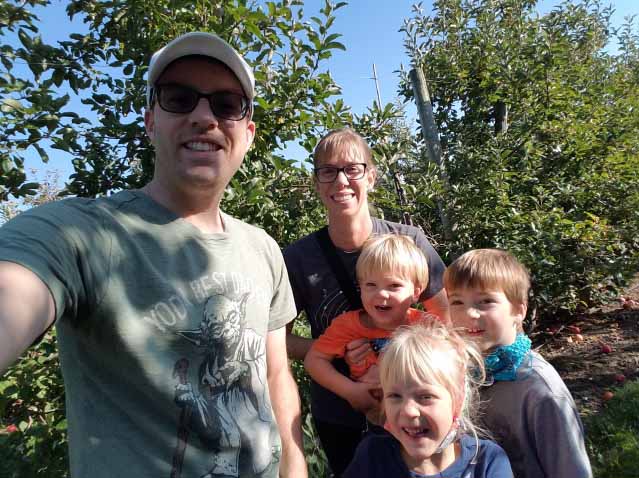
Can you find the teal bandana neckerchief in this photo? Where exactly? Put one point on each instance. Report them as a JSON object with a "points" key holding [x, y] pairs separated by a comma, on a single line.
{"points": [[503, 362]]}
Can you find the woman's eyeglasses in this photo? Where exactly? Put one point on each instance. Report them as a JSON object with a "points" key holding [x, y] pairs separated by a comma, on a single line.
{"points": [[328, 174], [182, 99]]}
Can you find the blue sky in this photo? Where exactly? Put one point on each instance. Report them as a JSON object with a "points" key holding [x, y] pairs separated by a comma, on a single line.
{"points": [[370, 33]]}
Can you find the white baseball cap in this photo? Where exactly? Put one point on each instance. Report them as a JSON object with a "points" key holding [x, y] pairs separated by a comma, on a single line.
{"points": [[204, 44]]}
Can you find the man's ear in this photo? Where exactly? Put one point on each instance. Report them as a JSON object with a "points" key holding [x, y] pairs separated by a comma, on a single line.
{"points": [[149, 123], [250, 134]]}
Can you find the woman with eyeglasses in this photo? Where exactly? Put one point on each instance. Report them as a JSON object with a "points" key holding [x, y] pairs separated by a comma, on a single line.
{"points": [[321, 269]]}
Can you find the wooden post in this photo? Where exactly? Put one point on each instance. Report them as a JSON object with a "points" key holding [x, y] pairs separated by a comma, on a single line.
{"points": [[431, 137], [501, 117]]}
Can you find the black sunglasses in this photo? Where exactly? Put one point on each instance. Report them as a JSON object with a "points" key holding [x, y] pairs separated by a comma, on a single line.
{"points": [[182, 99]]}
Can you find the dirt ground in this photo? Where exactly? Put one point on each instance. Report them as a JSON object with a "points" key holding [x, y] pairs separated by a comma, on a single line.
{"points": [[597, 351]]}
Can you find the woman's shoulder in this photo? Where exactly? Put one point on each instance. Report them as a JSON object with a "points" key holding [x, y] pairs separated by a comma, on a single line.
{"points": [[382, 226], [302, 246]]}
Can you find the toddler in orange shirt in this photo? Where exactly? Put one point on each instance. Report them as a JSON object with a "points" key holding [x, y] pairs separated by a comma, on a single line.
{"points": [[391, 272]]}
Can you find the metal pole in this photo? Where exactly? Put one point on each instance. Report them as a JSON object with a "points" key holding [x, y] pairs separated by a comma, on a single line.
{"points": [[379, 97]]}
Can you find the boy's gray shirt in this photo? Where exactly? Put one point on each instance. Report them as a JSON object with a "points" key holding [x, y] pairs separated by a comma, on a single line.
{"points": [[536, 421]]}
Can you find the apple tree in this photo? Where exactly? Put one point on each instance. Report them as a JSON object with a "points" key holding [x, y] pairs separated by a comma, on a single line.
{"points": [[539, 123]]}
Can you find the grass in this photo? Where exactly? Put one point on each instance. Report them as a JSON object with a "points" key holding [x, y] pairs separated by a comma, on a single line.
{"points": [[612, 435]]}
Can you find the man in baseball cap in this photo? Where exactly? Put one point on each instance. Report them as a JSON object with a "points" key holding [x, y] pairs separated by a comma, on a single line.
{"points": [[203, 44], [170, 314]]}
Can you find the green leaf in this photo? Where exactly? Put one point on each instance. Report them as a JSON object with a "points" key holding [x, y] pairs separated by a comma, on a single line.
{"points": [[43, 154], [58, 76], [25, 39], [331, 37], [335, 46], [8, 64], [9, 105], [252, 27]]}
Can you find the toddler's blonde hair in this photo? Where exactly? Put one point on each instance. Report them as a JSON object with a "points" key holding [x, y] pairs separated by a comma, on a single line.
{"points": [[393, 254]]}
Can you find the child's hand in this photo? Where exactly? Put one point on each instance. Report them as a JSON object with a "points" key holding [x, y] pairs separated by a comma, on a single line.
{"points": [[356, 351], [360, 396], [371, 375]]}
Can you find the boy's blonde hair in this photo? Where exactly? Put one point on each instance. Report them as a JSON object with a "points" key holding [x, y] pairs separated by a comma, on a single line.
{"points": [[394, 254], [490, 269], [430, 352], [343, 141]]}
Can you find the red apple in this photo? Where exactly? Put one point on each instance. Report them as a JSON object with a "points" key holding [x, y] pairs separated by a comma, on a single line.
{"points": [[620, 377], [607, 395], [11, 428], [606, 349]]}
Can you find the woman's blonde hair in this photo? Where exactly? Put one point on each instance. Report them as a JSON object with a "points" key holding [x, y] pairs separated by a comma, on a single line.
{"points": [[430, 352], [343, 141], [394, 254], [488, 269]]}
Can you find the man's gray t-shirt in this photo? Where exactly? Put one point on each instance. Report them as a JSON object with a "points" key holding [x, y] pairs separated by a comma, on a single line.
{"points": [[162, 332], [317, 292]]}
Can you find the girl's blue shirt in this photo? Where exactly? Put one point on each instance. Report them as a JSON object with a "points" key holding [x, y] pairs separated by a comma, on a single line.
{"points": [[378, 456]]}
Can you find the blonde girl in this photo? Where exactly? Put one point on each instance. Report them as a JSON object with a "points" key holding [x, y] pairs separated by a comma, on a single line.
{"points": [[429, 376]]}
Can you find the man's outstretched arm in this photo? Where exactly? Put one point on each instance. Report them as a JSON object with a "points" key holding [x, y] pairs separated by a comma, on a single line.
{"points": [[26, 311], [286, 405]]}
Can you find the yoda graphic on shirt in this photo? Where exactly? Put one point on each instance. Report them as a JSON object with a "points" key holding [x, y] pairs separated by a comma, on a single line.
{"points": [[229, 411]]}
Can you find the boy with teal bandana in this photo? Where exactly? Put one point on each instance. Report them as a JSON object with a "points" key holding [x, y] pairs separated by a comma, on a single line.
{"points": [[526, 405]]}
